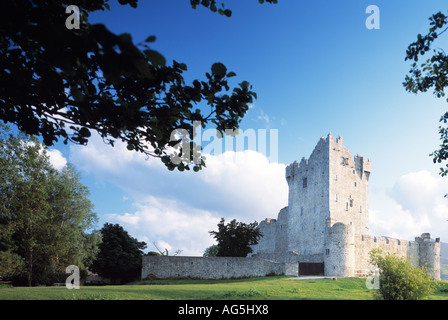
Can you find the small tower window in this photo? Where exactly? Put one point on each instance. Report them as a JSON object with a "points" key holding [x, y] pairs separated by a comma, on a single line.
{"points": [[304, 182], [327, 252], [351, 203], [356, 184]]}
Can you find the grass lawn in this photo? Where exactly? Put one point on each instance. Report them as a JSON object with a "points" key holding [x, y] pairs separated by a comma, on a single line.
{"points": [[269, 288]]}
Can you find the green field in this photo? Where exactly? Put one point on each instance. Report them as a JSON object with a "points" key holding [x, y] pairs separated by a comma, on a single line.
{"points": [[275, 288]]}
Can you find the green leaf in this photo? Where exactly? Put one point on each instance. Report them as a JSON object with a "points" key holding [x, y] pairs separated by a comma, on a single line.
{"points": [[244, 85], [150, 39], [155, 58], [231, 74], [84, 132], [219, 70]]}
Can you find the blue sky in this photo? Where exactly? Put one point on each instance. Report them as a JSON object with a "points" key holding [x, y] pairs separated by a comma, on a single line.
{"points": [[316, 69]]}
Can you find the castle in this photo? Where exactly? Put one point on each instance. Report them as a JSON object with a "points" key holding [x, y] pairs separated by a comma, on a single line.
{"points": [[324, 230], [325, 227]]}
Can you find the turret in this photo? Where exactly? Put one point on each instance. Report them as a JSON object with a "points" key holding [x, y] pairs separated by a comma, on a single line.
{"points": [[429, 254], [339, 255]]}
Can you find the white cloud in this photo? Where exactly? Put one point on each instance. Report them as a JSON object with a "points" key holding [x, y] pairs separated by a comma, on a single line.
{"points": [[56, 158], [247, 183], [179, 208], [414, 205], [98, 157], [170, 225]]}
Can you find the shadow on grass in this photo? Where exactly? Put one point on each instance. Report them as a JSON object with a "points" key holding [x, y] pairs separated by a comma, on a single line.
{"points": [[202, 281]]}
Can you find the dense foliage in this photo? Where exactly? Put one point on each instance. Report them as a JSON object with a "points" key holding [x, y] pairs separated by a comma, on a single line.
{"points": [[235, 238], [399, 279], [64, 83], [120, 255], [211, 251], [45, 214]]}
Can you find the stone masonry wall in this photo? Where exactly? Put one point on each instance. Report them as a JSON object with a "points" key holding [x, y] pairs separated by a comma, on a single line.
{"points": [[274, 242], [364, 244], [349, 178], [308, 183], [212, 267]]}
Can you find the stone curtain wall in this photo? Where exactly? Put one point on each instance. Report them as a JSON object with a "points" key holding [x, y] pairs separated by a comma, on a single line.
{"points": [[159, 267]]}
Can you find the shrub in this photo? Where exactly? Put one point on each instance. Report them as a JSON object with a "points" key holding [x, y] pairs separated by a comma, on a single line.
{"points": [[399, 279]]}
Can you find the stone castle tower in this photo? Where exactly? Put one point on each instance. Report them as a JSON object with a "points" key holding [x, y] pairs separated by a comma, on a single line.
{"points": [[325, 226]]}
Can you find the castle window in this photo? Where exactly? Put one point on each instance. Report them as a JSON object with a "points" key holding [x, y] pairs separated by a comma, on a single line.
{"points": [[301, 211], [304, 182], [336, 198], [354, 171], [327, 252], [351, 203], [356, 184], [360, 208], [346, 206]]}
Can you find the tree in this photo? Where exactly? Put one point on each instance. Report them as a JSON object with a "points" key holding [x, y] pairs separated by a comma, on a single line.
{"points": [[235, 238], [399, 279], [44, 213], [120, 255], [90, 79], [433, 73], [211, 251]]}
